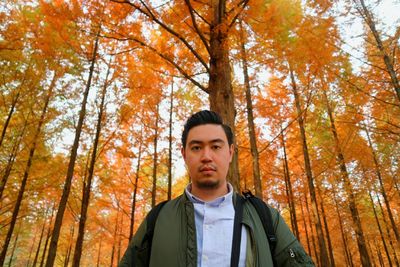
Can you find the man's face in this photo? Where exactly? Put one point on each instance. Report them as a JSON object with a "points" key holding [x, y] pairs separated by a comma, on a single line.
{"points": [[207, 156]]}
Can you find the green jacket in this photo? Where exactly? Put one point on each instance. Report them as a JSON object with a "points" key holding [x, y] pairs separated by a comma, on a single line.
{"points": [[174, 240]]}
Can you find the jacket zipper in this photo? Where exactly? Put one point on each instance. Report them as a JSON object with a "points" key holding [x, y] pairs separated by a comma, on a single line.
{"points": [[292, 255]]}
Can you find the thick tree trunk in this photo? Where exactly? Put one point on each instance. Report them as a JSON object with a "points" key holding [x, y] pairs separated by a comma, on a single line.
{"points": [[220, 84], [368, 17], [362, 247], [155, 159], [26, 173], [87, 185], [250, 117], [171, 112], [310, 179], [70, 172], [382, 188]]}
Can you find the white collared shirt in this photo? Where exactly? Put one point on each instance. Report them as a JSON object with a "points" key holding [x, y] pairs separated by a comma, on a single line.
{"points": [[214, 230]]}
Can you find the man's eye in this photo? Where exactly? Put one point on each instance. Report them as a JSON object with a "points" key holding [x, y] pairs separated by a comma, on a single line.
{"points": [[216, 147], [195, 148]]}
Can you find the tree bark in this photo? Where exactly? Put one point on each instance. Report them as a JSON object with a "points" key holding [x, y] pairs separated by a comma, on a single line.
{"points": [[362, 245], [305, 229], [310, 179], [250, 117], [328, 237], [40, 243], [70, 172], [87, 186], [9, 116]]}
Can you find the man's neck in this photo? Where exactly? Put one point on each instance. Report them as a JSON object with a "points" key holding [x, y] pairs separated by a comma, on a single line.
{"points": [[210, 194]]}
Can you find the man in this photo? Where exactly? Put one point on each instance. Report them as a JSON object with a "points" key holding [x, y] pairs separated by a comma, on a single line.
{"points": [[197, 228]]}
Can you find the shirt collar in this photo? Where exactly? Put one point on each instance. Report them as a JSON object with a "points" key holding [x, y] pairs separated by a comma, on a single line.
{"points": [[216, 202]]}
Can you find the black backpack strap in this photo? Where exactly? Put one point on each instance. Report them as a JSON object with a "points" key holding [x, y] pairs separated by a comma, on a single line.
{"points": [[237, 231], [266, 218], [151, 219]]}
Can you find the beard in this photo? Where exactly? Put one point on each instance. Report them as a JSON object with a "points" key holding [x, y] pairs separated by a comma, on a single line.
{"points": [[208, 184]]}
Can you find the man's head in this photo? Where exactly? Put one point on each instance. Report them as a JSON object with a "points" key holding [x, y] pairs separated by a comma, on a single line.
{"points": [[207, 151], [205, 117]]}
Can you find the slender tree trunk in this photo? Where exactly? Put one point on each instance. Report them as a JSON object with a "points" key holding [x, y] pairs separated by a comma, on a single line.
{"points": [[305, 229], [220, 90], [292, 207], [389, 62], [328, 237], [344, 239], [40, 243], [382, 188], [155, 160], [26, 173], [68, 180], [136, 185], [114, 240], [310, 214], [68, 255], [9, 116], [388, 232], [98, 254], [310, 179], [380, 230], [87, 186], [48, 236], [250, 117], [31, 249], [365, 259], [11, 160], [171, 110], [14, 246]]}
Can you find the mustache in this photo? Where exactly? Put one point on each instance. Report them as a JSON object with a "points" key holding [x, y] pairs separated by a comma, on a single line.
{"points": [[207, 167]]}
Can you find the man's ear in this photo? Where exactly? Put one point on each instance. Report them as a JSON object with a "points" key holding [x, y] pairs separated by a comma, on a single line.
{"points": [[231, 151]]}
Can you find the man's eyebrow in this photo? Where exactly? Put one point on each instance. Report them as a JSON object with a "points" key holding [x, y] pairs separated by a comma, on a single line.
{"points": [[217, 140]]}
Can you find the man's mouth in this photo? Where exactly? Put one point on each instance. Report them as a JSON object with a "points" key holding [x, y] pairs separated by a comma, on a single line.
{"points": [[207, 169]]}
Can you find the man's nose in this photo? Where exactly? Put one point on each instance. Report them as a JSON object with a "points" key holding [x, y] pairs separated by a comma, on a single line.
{"points": [[206, 156]]}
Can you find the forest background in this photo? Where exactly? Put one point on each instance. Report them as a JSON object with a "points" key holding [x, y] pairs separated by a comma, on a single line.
{"points": [[94, 94]]}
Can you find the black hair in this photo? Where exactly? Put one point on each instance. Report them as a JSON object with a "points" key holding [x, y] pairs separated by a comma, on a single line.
{"points": [[205, 117]]}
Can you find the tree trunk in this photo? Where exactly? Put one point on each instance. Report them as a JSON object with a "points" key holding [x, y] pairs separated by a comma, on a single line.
{"points": [[99, 253], [136, 185], [362, 247], [114, 239], [388, 232], [380, 230], [310, 179], [344, 239], [288, 183], [171, 110], [317, 256], [11, 160], [328, 237], [68, 255], [9, 116], [250, 117], [305, 229], [26, 173], [368, 17], [40, 243], [87, 186], [155, 159], [47, 237], [220, 84], [15, 246], [382, 188], [70, 172]]}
